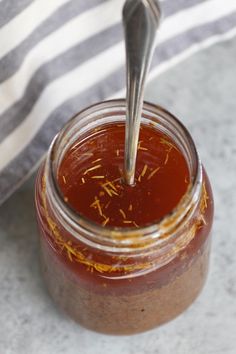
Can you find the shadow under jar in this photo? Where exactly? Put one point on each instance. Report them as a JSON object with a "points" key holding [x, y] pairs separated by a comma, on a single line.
{"points": [[124, 280]]}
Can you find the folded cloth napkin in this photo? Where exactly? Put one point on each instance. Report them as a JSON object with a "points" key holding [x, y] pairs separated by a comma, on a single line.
{"points": [[59, 56]]}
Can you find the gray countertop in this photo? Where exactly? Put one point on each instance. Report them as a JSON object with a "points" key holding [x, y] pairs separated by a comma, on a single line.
{"points": [[201, 91]]}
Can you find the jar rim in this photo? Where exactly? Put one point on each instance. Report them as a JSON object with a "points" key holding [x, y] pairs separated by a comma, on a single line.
{"points": [[124, 236]]}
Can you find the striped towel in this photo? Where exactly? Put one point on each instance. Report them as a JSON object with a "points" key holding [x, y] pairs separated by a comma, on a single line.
{"points": [[59, 56]]}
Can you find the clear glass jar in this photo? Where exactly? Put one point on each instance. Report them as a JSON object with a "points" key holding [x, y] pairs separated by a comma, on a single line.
{"points": [[121, 280]]}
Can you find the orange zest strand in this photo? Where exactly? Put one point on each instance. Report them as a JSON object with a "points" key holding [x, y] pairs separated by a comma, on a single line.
{"points": [[96, 161], [98, 177], [153, 173], [105, 221], [92, 169], [141, 147], [110, 188], [122, 213], [142, 174], [96, 205], [64, 179]]}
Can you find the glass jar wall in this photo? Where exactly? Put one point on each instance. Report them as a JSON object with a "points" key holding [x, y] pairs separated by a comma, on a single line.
{"points": [[124, 280]]}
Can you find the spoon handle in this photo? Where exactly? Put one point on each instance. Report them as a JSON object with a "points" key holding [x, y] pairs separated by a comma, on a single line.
{"points": [[141, 18]]}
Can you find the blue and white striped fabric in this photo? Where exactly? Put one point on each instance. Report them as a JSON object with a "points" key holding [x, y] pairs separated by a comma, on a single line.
{"points": [[59, 56]]}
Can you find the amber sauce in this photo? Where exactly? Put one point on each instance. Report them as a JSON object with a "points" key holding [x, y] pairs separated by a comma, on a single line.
{"points": [[91, 177]]}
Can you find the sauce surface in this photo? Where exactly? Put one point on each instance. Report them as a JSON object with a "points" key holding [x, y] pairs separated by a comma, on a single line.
{"points": [[90, 177]]}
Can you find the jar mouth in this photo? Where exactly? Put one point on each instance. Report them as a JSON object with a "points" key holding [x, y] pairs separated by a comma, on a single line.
{"points": [[159, 230]]}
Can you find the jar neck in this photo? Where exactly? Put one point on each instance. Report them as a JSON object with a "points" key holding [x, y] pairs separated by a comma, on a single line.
{"points": [[125, 240]]}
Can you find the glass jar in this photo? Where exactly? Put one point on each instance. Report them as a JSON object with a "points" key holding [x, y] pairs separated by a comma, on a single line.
{"points": [[121, 280]]}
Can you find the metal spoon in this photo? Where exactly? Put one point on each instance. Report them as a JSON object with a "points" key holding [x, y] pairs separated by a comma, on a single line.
{"points": [[141, 18]]}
